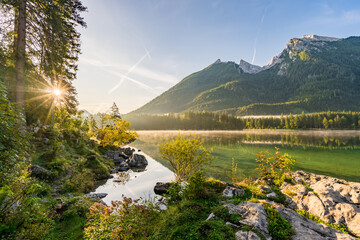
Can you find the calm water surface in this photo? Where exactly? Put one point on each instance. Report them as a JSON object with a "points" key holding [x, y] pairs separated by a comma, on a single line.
{"points": [[333, 153], [135, 184]]}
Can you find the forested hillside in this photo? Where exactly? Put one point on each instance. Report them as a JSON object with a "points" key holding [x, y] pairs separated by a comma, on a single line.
{"points": [[312, 74]]}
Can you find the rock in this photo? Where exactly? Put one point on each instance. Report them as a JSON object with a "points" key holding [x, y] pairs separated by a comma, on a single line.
{"points": [[232, 191], [253, 215], [45, 200], [113, 171], [240, 235], [96, 196], [111, 176], [118, 160], [161, 187], [45, 140], [306, 229], [210, 216], [127, 151], [116, 180], [234, 226], [123, 167], [41, 173], [272, 195], [265, 188], [137, 160], [330, 199]]}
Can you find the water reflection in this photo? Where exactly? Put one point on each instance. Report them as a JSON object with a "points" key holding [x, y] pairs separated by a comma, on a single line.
{"points": [[135, 184], [347, 139]]}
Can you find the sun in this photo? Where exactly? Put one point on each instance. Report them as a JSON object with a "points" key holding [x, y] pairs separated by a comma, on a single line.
{"points": [[57, 92]]}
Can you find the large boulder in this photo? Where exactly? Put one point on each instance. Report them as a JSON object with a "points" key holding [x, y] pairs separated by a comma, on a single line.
{"points": [[137, 160], [253, 215], [162, 188], [331, 199]]}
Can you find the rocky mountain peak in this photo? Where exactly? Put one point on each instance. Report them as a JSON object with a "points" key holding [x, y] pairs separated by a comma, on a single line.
{"points": [[320, 38]]}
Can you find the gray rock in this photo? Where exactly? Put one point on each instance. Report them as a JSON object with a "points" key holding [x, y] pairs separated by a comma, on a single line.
{"points": [[123, 167], [306, 229], [232, 191], [331, 199], [45, 140], [137, 160], [240, 235], [253, 215], [96, 196], [210, 216], [265, 188], [161, 187], [272, 195]]}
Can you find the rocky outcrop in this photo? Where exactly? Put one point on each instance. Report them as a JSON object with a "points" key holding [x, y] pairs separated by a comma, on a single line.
{"points": [[254, 216], [330, 199]]}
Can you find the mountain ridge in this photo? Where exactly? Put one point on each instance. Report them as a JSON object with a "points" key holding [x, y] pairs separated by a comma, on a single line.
{"points": [[323, 70]]}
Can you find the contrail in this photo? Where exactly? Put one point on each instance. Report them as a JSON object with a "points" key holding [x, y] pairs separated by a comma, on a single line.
{"points": [[140, 84], [147, 54], [257, 35]]}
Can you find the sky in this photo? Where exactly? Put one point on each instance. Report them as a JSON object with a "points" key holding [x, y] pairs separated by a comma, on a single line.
{"points": [[134, 50]]}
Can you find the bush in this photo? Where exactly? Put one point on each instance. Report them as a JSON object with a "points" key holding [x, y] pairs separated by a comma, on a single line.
{"points": [[125, 219], [276, 168], [185, 156]]}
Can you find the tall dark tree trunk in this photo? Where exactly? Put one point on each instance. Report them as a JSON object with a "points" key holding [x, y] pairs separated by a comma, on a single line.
{"points": [[20, 58]]}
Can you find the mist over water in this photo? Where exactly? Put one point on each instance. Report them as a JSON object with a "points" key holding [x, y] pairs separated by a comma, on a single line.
{"points": [[333, 153]]}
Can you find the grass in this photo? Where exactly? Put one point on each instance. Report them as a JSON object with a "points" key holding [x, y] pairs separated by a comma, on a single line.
{"points": [[70, 228], [279, 228]]}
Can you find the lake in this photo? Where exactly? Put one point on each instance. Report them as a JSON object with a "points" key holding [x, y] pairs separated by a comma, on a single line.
{"points": [[332, 153]]}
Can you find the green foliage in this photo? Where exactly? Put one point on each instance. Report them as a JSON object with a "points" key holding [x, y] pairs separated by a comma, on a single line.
{"points": [[82, 182], [99, 165], [187, 220], [116, 134], [223, 121], [186, 155], [279, 228], [125, 219], [274, 167]]}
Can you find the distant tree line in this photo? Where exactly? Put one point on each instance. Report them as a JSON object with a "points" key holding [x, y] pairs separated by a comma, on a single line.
{"points": [[223, 121]]}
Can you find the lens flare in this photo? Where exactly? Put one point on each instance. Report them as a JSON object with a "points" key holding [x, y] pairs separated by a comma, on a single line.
{"points": [[57, 92]]}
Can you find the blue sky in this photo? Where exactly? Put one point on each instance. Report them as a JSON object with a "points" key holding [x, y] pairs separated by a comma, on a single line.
{"points": [[133, 50]]}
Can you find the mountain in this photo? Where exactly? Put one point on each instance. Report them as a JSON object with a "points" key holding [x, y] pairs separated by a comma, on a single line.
{"points": [[313, 73]]}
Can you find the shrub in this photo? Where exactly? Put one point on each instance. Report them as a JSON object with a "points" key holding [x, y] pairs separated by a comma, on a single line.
{"points": [[275, 167], [185, 155], [125, 219], [279, 228]]}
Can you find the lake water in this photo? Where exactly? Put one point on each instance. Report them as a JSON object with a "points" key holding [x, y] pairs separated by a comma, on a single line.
{"points": [[135, 184], [333, 153]]}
